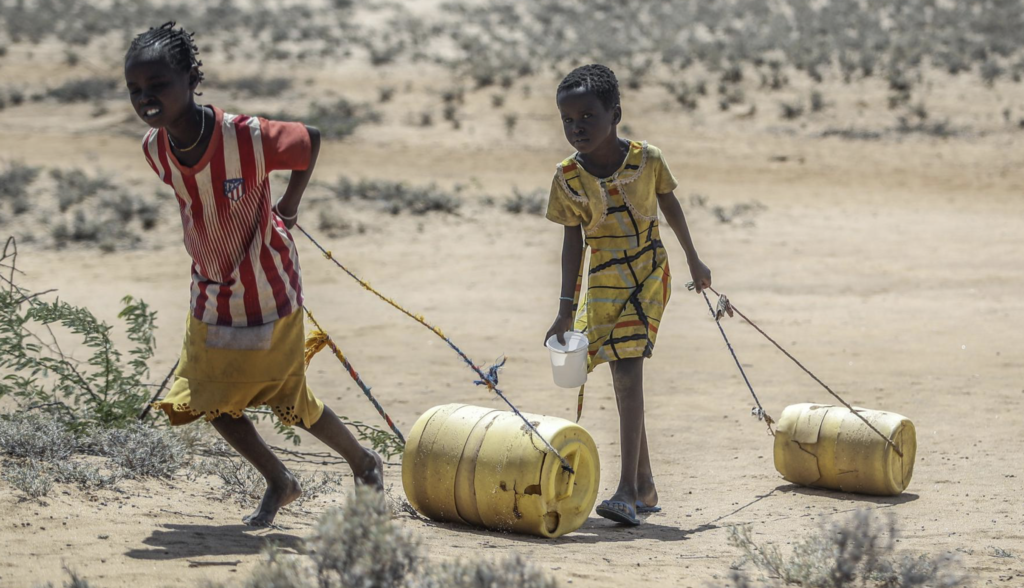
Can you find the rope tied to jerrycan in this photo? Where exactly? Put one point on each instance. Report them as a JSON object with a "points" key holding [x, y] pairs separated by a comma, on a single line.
{"points": [[488, 378], [319, 339], [725, 307]]}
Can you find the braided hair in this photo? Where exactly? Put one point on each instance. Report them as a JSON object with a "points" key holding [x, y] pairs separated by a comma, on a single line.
{"points": [[596, 79], [177, 45]]}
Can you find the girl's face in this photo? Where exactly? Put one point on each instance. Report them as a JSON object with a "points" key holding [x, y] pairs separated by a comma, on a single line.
{"points": [[587, 123], [159, 92]]}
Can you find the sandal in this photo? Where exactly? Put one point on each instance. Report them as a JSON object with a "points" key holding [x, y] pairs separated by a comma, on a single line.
{"points": [[618, 511], [642, 508]]}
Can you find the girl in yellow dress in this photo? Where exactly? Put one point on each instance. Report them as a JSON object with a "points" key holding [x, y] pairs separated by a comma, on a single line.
{"points": [[612, 189]]}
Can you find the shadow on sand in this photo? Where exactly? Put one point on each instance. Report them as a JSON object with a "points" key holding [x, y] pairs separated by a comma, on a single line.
{"points": [[599, 530], [174, 541], [595, 530], [878, 501]]}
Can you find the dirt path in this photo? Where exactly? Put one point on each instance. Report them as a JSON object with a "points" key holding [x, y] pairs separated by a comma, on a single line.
{"points": [[890, 271]]}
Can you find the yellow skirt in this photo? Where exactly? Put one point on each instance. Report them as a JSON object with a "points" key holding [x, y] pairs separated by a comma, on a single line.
{"points": [[625, 299], [224, 370]]}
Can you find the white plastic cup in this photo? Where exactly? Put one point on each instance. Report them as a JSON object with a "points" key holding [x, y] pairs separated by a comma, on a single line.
{"points": [[569, 361]]}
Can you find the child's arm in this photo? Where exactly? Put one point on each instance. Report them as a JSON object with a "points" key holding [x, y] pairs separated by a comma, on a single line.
{"points": [[677, 220], [572, 258], [288, 206]]}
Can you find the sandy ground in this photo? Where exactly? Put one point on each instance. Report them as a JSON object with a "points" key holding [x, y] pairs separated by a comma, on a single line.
{"points": [[892, 269]]}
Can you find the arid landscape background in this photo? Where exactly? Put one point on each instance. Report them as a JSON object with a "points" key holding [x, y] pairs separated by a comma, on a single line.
{"points": [[851, 172]]}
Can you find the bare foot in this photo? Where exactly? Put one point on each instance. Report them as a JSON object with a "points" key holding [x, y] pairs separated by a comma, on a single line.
{"points": [[646, 493], [372, 473], [274, 498]]}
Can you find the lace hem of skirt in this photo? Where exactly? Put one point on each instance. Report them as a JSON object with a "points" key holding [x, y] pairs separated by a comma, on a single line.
{"points": [[285, 414]]}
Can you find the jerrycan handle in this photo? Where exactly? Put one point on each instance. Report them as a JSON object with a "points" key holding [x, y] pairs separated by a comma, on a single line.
{"points": [[574, 458]]}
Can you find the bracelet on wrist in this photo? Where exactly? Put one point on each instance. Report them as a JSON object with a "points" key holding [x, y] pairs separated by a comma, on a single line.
{"points": [[565, 298], [284, 217]]}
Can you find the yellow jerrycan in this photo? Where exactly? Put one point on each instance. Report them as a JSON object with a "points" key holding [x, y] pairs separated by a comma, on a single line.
{"points": [[829, 447], [481, 466]]}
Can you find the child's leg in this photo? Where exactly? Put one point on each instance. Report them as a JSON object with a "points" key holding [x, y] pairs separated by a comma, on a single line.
{"points": [[646, 491], [365, 463], [628, 380], [282, 487]]}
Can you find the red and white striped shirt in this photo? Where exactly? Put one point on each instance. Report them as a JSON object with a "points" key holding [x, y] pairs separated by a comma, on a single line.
{"points": [[245, 268]]}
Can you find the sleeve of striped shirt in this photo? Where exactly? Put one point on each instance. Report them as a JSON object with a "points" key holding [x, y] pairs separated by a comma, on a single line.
{"points": [[286, 145], [145, 150]]}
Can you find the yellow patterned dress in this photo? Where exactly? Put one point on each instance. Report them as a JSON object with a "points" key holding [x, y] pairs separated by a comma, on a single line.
{"points": [[628, 284]]}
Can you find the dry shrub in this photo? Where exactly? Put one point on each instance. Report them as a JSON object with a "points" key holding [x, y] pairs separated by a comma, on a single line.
{"points": [[857, 552], [512, 571], [36, 437], [31, 478], [108, 226], [14, 183], [257, 86], [359, 545], [140, 451], [74, 186], [534, 203], [742, 213], [84, 475], [397, 197], [791, 110], [245, 484], [336, 120], [73, 581], [334, 223], [44, 450], [278, 570], [84, 90]]}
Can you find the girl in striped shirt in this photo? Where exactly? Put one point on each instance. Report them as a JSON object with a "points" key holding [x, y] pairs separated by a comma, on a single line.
{"points": [[244, 337]]}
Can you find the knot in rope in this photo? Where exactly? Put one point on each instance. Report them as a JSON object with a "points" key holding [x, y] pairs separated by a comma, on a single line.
{"points": [[491, 377], [316, 340]]}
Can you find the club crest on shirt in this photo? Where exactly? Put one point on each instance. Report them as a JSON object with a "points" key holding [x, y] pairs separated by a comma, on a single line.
{"points": [[234, 189]]}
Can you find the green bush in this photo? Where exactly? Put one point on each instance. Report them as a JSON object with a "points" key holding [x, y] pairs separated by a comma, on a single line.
{"points": [[104, 390]]}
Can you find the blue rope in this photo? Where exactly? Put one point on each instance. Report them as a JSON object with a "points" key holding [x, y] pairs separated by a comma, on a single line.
{"points": [[491, 379]]}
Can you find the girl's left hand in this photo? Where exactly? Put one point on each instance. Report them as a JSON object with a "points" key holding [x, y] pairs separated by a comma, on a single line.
{"points": [[700, 274]]}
